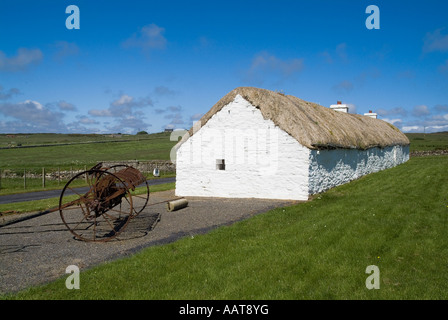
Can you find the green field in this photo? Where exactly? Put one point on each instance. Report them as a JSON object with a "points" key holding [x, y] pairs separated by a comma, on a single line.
{"points": [[156, 146], [428, 141], [81, 153], [71, 152], [84, 152], [33, 139], [395, 219]]}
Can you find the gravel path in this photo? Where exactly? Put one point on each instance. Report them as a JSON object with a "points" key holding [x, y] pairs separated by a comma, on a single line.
{"points": [[38, 250]]}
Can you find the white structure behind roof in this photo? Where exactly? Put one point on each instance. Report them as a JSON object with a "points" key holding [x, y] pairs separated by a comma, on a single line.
{"points": [[340, 107], [371, 114]]}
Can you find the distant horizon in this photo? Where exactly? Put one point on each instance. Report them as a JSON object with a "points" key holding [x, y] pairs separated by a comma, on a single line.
{"points": [[134, 134]]}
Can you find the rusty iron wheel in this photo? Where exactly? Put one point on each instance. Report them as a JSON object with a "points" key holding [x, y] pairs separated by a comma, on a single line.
{"points": [[141, 198], [101, 213]]}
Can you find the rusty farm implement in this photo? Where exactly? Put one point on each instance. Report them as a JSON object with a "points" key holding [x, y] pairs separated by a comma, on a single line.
{"points": [[110, 203], [101, 211]]}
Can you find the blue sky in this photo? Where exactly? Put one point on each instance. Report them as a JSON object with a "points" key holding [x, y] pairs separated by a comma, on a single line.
{"points": [[150, 65]]}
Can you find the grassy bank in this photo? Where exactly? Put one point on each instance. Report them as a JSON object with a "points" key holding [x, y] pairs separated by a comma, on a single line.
{"points": [[395, 219]]}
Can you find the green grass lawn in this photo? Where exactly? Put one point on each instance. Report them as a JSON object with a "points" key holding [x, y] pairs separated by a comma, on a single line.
{"points": [[396, 219]]}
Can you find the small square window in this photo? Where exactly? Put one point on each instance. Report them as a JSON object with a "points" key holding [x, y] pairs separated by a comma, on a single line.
{"points": [[220, 164]]}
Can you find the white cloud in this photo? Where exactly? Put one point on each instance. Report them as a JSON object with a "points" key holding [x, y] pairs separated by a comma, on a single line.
{"points": [[396, 122], [175, 118], [266, 65], [126, 114], [196, 117], [425, 127], [339, 54], [123, 100], [351, 107], [122, 107], [412, 129], [5, 95], [32, 116], [441, 108], [159, 111], [394, 111], [420, 111], [100, 113], [341, 51], [327, 56], [433, 123], [129, 125], [86, 120], [22, 60], [444, 68], [148, 38], [63, 105], [267, 62], [65, 49], [164, 91], [174, 108], [343, 87], [130, 102], [435, 41], [173, 114]]}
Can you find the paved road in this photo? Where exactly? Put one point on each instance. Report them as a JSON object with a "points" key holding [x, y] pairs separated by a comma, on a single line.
{"points": [[39, 195], [38, 250]]}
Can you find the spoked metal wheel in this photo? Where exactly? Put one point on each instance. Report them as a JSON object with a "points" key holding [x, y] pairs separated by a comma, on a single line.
{"points": [[140, 195], [102, 212]]}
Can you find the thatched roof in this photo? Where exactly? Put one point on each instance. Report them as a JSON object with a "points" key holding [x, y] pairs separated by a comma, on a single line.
{"points": [[313, 125]]}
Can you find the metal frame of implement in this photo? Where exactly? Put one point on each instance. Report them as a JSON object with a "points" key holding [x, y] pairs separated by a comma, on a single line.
{"points": [[104, 211]]}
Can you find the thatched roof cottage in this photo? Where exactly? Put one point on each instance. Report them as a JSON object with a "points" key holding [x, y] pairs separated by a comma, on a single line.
{"points": [[256, 143]]}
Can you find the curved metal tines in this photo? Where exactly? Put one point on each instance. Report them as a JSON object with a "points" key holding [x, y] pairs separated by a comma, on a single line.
{"points": [[131, 177]]}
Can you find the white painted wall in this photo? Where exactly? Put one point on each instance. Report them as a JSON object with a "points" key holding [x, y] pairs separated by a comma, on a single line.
{"points": [[329, 168], [261, 160]]}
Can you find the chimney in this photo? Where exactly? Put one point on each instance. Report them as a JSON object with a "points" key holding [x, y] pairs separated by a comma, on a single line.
{"points": [[371, 114], [339, 107]]}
